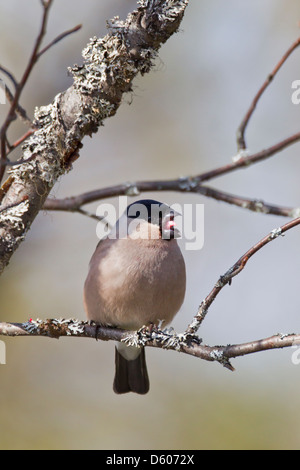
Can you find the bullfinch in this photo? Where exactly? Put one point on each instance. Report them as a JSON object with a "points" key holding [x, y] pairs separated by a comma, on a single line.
{"points": [[136, 277]]}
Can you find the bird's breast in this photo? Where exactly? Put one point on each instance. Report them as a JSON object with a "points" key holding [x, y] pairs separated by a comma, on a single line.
{"points": [[134, 282]]}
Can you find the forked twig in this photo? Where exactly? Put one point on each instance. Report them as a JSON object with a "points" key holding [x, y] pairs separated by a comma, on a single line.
{"points": [[59, 38], [242, 127], [14, 99], [20, 86]]}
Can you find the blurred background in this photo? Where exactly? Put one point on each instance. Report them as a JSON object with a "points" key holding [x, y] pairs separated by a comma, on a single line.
{"points": [[180, 120]]}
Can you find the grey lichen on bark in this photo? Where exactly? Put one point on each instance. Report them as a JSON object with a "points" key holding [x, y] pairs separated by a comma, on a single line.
{"points": [[109, 67]]}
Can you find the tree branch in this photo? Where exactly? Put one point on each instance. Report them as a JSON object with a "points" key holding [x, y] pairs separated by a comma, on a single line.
{"points": [[233, 271], [242, 160], [189, 184], [59, 38], [186, 342], [9, 95], [152, 337], [242, 127], [128, 49], [20, 86]]}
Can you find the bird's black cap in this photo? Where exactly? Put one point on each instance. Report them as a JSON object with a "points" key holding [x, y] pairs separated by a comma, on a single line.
{"points": [[148, 209]]}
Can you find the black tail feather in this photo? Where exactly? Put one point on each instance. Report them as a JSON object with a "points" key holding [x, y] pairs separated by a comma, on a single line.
{"points": [[131, 376]]}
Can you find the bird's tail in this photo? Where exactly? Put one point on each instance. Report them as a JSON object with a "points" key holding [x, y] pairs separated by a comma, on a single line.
{"points": [[131, 375]]}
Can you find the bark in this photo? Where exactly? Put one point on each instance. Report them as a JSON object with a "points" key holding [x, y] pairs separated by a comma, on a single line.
{"points": [[110, 65]]}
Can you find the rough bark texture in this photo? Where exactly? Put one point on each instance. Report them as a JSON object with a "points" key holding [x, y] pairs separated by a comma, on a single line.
{"points": [[110, 64]]}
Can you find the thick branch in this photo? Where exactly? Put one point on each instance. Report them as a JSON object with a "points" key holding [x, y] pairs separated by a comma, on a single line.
{"points": [[110, 65]]}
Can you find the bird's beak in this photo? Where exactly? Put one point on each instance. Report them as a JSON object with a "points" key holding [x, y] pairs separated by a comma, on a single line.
{"points": [[169, 229]]}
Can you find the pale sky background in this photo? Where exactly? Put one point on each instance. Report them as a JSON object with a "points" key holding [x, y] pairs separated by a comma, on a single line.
{"points": [[180, 120]]}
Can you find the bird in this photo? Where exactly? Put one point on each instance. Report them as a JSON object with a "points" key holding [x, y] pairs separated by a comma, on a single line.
{"points": [[136, 278]]}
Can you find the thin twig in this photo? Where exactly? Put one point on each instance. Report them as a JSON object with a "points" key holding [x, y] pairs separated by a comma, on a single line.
{"points": [[18, 162], [10, 76], [189, 184], [233, 271], [59, 38], [245, 161], [21, 84], [16, 144], [242, 127], [254, 205], [19, 110], [93, 216]]}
